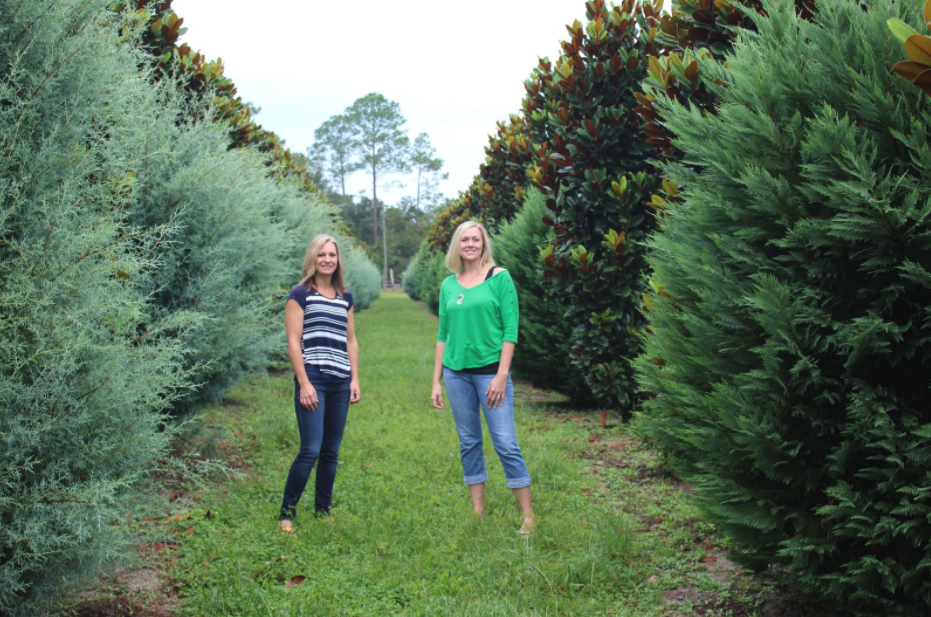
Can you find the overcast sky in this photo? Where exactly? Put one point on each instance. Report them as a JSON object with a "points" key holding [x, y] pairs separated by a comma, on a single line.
{"points": [[455, 68]]}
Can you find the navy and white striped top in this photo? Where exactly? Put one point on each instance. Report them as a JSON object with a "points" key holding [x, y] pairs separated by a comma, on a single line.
{"points": [[323, 342]]}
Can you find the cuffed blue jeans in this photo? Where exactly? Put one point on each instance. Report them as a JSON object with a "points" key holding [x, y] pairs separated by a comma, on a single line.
{"points": [[466, 392], [321, 433]]}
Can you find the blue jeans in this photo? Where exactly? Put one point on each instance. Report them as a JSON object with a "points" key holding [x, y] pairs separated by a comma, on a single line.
{"points": [[321, 433], [466, 392]]}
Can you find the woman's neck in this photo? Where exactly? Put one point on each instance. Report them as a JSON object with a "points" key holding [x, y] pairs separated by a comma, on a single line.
{"points": [[323, 282], [471, 268]]}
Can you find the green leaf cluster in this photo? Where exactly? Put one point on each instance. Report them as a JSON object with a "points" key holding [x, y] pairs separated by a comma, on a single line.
{"points": [[594, 167], [545, 336], [789, 336]]}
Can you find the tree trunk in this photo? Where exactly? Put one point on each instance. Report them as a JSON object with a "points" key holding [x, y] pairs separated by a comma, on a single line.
{"points": [[417, 203], [384, 235], [374, 212]]}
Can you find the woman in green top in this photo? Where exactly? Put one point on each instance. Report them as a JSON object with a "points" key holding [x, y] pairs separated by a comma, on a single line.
{"points": [[474, 348]]}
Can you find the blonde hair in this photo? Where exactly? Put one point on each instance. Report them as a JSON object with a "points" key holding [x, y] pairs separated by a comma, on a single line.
{"points": [[309, 270], [454, 260]]}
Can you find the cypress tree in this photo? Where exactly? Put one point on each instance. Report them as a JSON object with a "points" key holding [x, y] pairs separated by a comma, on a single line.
{"points": [[789, 331], [84, 380]]}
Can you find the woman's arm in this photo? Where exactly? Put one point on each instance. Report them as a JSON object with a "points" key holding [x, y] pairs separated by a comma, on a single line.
{"points": [[437, 394], [510, 315], [352, 348], [494, 394], [294, 329]]}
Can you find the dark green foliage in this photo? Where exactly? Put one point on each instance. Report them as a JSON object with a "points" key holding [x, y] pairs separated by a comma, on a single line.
{"points": [[790, 352], [426, 274], [711, 24], [407, 279], [593, 165], [84, 379], [542, 354], [497, 192], [203, 81]]}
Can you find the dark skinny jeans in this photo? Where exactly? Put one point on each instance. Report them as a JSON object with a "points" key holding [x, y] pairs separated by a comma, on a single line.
{"points": [[321, 432]]}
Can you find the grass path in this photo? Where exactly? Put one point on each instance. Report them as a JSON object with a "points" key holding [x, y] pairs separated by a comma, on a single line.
{"points": [[402, 539]]}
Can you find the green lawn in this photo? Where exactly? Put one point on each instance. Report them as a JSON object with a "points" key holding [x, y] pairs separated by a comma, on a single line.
{"points": [[402, 539]]}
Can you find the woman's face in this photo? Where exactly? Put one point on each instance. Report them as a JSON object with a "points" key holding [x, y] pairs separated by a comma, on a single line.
{"points": [[327, 259], [471, 244]]}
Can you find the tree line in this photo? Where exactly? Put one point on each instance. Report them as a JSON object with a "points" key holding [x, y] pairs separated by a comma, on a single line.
{"points": [[370, 137], [717, 222], [149, 232]]}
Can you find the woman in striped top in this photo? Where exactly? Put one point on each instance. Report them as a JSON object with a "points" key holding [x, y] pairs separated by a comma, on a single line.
{"points": [[325, 356]]}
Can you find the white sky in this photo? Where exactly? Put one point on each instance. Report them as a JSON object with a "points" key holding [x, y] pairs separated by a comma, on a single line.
{"points": [[455, 68]]}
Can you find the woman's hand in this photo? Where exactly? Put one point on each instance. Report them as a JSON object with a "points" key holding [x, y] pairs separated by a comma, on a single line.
{"points": [[437, 396], [308, 396], [354, 393], [494, 394]]}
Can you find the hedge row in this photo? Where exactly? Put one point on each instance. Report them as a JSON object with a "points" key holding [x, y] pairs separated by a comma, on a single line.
{"points": [[143, 258], [758, 171]]}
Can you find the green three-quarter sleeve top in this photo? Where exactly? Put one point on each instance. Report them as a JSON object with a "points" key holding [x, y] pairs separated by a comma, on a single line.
{"points": [[475, 322]]}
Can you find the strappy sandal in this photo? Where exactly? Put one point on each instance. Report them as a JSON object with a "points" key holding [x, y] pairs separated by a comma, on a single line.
{"points": [[530, 522], [286, 525]]}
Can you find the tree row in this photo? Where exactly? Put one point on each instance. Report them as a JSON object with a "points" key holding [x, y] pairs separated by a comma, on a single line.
{"points": [[149, 232], [717, 221]]}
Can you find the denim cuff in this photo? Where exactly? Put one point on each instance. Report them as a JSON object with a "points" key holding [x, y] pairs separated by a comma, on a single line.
{"points": [[519, 482], [482, 479]]}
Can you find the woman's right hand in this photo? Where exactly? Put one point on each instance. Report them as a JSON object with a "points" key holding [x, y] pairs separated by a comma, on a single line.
{"points": [[308, 396], [437, 396]]}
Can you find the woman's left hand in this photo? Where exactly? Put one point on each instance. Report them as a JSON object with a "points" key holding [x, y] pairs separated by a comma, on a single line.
{"points": [[494, 394], [354, 393]]}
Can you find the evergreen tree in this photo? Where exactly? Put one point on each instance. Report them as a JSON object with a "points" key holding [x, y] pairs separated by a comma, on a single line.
{"points": [[593, 163], [382, 146], [84, 378], [789, 333], [335, 149], [427, 166], [543, 351]]}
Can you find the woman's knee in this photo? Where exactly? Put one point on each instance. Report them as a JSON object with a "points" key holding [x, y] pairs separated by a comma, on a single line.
{"points": [[308, 454]]}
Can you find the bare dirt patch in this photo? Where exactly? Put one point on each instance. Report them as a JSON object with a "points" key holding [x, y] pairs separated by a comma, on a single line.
{"points": [[144, 590]]}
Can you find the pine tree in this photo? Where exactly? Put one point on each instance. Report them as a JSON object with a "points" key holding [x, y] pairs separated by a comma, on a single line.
{"points": [[789, 335]]}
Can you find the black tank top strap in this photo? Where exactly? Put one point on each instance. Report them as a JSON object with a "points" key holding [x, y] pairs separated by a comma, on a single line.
{"points": [[491, 273]]}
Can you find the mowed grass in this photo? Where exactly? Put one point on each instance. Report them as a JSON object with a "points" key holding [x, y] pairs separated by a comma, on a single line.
{"points": [[402, 539]]}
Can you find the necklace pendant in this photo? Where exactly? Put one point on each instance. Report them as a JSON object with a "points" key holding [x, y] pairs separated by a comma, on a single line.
{"points": [[461, 297]]}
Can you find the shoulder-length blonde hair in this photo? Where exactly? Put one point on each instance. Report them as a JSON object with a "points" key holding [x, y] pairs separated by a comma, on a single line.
{"points": [[454, 260], [309, 270]]}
